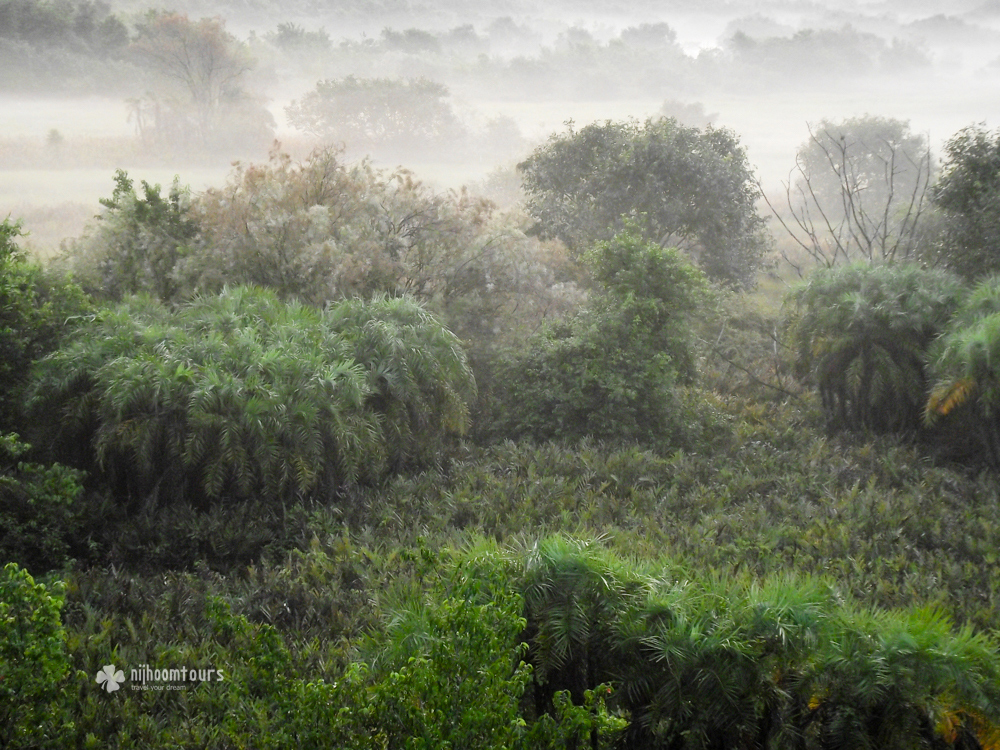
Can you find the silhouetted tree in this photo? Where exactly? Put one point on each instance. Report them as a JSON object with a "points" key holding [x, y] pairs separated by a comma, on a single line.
{"points": [[366, 112], [858, 192]]}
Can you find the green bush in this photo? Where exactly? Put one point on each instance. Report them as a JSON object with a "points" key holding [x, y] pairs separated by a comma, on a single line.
{"points": [[36, 310], [34, 668], [610, 373], [137, 242], [244, 396], [862, 332], [440, 664], [42, 521]]}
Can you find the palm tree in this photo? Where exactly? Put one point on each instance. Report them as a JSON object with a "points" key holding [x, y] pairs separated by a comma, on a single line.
{"points": [[234, 396], [966, 363], [863, 332], [714, 663], [903, 679], [574, 593], [418, 379]]}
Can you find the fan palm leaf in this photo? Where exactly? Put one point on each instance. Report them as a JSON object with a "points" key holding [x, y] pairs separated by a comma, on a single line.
{"points": [[862, 331]]}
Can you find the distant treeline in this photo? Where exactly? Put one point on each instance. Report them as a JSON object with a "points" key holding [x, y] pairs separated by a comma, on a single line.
{"points": [[68, 45], [62, 45], [81, 26]]}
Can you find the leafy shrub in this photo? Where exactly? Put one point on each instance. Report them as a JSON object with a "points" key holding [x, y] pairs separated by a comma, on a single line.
{"points": [[34, 667], [610, 373], [244, 396], [862, 332], [137, 243], [445, 666], [41, 519], [320, 231], [36, 310]]}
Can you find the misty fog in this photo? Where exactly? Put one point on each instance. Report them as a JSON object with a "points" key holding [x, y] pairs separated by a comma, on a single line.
{"points": [[94, 89]]}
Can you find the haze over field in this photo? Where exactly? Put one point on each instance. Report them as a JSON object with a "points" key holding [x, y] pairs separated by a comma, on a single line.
{"points": [[514, 376], [84, 95]]}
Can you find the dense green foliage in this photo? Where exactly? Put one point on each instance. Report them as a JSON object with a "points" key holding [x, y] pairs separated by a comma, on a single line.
{"points": [[41, 518], [244, 396], [137, 242], [610, 373], [418, 380], [724, 663], [631, 550], [682, 186], [968, 192], [34, 667], [504, 646], [862, 331], [36, 310]]}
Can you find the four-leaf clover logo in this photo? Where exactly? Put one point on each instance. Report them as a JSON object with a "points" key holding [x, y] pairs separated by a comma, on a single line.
{"points": [[110, 678]]}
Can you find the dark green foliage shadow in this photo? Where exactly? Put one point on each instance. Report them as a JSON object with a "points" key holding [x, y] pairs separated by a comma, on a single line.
{"points": [[37, 309]]}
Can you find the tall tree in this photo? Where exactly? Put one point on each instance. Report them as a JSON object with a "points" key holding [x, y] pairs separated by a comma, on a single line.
{"points": [[208, 63], [374, 112], [684, 187], [968, 193], [858, 191]]}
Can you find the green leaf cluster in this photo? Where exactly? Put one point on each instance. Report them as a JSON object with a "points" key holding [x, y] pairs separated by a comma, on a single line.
{"points": [[244, 396], [34, 665], [41, 519], [862, 332], [137, 243], [684, 187], [610, 373]]}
